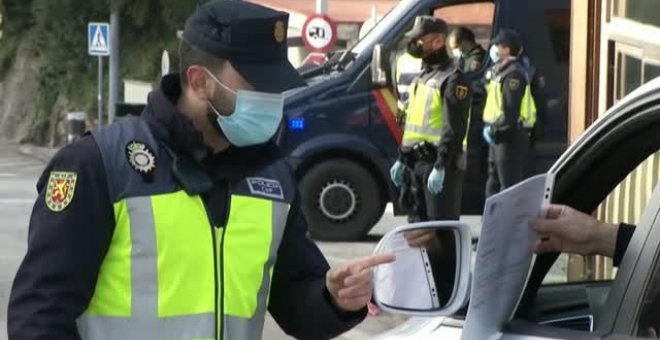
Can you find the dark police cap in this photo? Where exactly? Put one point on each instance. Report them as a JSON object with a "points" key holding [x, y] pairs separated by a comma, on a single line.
{"points": [[252, 37], [426, 24], [508, 38]]}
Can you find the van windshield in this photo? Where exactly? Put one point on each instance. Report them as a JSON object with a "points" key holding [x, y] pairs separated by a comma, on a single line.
{"points": [[383, 26]]}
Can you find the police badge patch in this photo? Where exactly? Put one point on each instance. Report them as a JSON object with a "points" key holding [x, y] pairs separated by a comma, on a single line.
{"points": [[474, 65], [280, 31], [462, 92], [60, 190], [140, 157], [514, 84]]}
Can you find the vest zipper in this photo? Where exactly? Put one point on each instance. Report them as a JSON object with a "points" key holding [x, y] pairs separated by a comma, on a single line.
{"points": [[222, 259], [215, 272]]}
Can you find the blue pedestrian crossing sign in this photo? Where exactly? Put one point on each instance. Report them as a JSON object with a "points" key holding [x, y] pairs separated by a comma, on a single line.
{"points": [[98, 38]]}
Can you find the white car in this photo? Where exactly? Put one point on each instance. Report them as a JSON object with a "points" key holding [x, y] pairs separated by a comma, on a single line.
{"points": [[627, 307]]}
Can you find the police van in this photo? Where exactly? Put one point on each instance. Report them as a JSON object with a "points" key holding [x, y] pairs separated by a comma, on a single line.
{"points": [[341, 133]]}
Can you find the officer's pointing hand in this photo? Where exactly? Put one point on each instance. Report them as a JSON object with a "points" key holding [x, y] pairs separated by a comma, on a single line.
{"points": [[351, 285]]}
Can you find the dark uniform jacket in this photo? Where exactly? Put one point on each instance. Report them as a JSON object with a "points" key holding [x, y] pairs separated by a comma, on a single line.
{"points": [[57, 278]]}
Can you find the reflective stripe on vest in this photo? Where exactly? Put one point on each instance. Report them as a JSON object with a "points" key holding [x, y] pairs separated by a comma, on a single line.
{"points": [[494, 109], [148, 289], [407, 68]]}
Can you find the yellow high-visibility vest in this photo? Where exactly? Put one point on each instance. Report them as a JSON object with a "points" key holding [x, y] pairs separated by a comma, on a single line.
{"points": [[424, 114], [169, 273], [494, 109]]}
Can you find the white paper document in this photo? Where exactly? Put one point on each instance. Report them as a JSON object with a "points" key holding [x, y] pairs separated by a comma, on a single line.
{"points": [[504, 259]]}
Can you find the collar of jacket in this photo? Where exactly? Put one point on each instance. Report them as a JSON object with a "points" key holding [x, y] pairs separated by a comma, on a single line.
{"points": [[168, 124], [437, 61], [501, 68], [477, 50], [174, 128]]}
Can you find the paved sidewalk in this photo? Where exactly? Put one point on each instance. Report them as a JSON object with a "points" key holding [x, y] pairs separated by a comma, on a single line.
{"points": [[43, 154]]}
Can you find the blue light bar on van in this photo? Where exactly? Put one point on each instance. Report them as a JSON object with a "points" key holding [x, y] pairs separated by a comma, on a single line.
{"points": [[297, 124]]}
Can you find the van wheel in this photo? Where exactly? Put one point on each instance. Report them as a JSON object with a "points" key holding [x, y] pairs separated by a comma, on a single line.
{"points": [[341, 200]]}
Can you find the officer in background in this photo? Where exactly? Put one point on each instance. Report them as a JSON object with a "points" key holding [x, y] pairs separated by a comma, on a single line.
{"points": [[510, 111], [185, 222], [469, 57], [465, 50], [436, 122]]}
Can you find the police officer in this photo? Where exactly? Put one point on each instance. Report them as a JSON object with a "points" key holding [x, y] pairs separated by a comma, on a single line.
{"points": [[437, 113], [184, 223], [465, 50], [470, 57], [510, 110]]}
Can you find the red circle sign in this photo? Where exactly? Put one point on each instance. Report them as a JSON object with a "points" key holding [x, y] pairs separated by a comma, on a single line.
{"points": [[319, 33]]}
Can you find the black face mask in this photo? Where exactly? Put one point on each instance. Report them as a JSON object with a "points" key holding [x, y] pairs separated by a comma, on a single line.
{"points": [[438, 57], [415, 49]]}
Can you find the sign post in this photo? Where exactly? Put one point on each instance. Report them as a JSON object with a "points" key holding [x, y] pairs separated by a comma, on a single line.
{"points": [[98, 38]]}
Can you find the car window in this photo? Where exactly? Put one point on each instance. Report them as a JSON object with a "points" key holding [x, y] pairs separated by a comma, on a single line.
{"points": [[478, 17], [648, 323], [624, 204]]}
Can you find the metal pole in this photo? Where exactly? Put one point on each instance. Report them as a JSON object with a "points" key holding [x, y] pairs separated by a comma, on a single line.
{"points": [[322, 6], [100, 93], [113, 86]]}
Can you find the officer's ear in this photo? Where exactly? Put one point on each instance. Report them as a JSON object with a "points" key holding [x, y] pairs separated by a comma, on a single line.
{"points": [[439, 41], [198, 82]]}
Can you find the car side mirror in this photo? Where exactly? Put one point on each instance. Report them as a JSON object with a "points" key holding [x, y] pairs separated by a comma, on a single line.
{"points": [[379, 66], [431, 273]]}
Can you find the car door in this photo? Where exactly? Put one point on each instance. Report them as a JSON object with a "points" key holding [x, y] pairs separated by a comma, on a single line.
{"points": [[585, 175]]}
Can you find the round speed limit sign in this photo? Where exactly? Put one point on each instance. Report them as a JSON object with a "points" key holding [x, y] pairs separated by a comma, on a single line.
{"points": [[319, 33]]}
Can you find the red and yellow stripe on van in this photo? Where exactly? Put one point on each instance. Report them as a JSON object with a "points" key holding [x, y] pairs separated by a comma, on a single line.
{"points": [[386, 102]]}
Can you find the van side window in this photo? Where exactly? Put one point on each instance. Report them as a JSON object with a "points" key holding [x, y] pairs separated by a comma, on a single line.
{"points": [[558, 22], [478, 17]]}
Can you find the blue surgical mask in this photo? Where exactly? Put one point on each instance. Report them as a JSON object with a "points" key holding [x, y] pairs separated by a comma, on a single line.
{"points": [[494, 54], [255, 119], [457, 53]]}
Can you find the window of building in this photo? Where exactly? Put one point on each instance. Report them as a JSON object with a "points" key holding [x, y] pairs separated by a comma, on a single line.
{"points": [[631, 74], [643, 11], [651, 71], [634, 67]]}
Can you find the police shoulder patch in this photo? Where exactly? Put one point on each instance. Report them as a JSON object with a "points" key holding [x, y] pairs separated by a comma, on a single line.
{"points": [[474, 65], [60, 190], [265, 187], [462, 92], [541, 81], [514, 83]]}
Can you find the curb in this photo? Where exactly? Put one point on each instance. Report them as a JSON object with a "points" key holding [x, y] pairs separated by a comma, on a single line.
{"points": [[40, 153]]}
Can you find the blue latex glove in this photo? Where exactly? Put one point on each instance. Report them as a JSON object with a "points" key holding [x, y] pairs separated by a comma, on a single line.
{"points": [[436, 181], [488, 135], [396, 174]]}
